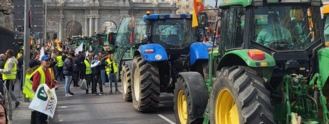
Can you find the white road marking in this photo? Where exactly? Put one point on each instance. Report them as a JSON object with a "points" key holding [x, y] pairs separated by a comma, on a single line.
{"points": [[63, 107], [166, 119]]}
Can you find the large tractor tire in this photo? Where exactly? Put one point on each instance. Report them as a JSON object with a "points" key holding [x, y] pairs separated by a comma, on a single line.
{"points": [[146, 86], [126, 83], [190, 98], [239, 97]]}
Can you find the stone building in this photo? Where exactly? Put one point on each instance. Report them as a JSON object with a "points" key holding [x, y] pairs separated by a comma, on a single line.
{"points": [[37, 17], [184, 6], [67, 18], [6, 16]]}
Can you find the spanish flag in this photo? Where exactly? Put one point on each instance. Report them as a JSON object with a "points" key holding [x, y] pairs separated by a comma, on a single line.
{"points": [[197, 7]]}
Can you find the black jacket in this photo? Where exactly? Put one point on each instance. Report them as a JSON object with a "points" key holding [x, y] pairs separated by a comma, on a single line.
{"points": [[68, 67]]}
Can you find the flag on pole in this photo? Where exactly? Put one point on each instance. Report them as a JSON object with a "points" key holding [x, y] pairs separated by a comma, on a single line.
{"points": [[79, 49], [42, 52], [197, 7]]}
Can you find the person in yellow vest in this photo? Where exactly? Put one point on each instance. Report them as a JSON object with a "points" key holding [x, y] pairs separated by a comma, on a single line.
{"points": [[9, 74], [111, 70], [59, 66], [42, 75], [87, 71]]}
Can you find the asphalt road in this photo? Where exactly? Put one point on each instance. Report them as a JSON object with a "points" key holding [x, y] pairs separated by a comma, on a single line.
{"points": [[108, 109]]}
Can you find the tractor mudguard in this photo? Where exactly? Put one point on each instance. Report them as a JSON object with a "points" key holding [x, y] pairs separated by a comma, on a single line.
{"points": [[198, 51], [153, 52], [198, 92], [323, 59], [241, 57]]}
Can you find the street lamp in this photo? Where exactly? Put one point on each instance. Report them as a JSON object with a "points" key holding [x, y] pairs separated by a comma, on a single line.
{"points": [[45, 23], [27, 17]]}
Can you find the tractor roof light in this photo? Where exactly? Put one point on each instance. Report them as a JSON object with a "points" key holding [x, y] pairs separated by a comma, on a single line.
{"points": [[256, 54], [148, 12], [149, 51]]}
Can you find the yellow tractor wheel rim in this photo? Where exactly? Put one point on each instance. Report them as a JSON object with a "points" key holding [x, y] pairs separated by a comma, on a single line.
{"points": [[226, 110], [182, 107]]}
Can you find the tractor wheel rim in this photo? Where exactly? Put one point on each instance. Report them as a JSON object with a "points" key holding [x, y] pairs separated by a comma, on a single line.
{"points": [[137, 84], [226, 110], [182, 107]]}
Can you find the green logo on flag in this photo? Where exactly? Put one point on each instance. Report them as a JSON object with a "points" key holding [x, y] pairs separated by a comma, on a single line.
{"points": [[42, 94]]}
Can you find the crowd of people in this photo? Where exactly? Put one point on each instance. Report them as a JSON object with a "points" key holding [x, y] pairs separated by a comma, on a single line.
{"points": [[55, 67]]}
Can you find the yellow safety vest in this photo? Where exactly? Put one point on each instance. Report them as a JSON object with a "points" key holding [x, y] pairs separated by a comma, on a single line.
{"points": [[12, 73], [27, 89], [59, 61], [88, 67], [108, 68]]}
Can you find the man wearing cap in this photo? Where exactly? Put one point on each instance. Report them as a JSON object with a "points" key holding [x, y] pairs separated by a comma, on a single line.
{"points": [[9, 73], [41, 76]]}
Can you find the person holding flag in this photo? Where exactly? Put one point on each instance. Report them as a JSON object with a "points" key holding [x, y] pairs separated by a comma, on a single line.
{"points": [[42, 75]]}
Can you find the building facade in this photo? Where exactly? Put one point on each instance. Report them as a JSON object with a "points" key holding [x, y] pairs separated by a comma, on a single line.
{"points": [[66, 18], [6, 15], [184, 6], [37, 17]]}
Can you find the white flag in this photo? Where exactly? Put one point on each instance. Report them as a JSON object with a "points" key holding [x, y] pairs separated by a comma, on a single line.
{"points": [[42, 52], [45, 100], [79, 48]]}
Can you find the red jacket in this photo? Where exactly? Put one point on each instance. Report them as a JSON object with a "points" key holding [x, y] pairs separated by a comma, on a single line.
{"points": [[36, 80]]}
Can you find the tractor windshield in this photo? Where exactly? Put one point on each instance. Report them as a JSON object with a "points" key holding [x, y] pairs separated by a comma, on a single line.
{"points": [[285, 27], [173, 33], [123, 33]]}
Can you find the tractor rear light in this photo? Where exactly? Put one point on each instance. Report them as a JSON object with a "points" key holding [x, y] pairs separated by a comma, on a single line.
{"points": [[256, 54], [149, 51]]}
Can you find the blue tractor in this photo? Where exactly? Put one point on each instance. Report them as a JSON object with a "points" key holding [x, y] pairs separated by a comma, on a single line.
{"points": [[165, 45]]}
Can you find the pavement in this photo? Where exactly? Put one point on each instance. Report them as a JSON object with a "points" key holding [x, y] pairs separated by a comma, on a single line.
{"points": [[100, 109]]}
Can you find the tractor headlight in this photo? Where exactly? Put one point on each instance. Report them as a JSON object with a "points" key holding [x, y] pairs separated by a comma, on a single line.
{"points": [[158, 57]]}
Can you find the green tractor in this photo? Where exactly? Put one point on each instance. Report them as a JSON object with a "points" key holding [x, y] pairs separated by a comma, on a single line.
{"points": [[271, 66], [76, 41]]}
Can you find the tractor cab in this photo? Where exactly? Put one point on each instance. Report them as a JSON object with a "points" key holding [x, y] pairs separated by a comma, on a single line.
{"points": [[271, 67], [288, 29], [173, 32], [275, 25]]}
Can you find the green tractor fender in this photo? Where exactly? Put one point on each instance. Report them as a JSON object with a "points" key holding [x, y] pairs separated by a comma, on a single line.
{"points": [[323, 59], [247, 57], [258, 60]]}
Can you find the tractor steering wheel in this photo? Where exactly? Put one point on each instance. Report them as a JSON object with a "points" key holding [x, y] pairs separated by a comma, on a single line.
{"points": [[280, 45]]}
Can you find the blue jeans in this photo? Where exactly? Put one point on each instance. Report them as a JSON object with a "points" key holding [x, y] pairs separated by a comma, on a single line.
{"points": [[103, 76], [68, 80], [112, 79]]}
